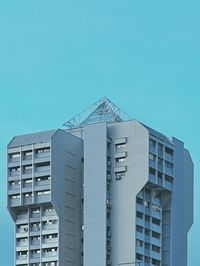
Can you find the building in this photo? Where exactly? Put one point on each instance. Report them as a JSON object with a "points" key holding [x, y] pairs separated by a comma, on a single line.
{"points": [[134, 204]]}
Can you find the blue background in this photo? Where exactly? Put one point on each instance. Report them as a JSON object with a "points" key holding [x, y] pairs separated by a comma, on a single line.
{"points": [[58, 57]]}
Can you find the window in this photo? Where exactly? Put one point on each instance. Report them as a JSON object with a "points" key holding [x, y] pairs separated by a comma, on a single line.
{"points": [[169, 152], [119, 160], [155, 221], [152, 144], [35, 238], [15, 155], [15, 169], [119, 175], [155, 235], [156, 208], [44, 178], [139, 215], [44, 150], [44, 192], [169, 179], [139, 201], [155, 248], [147, 204], [147, 218], [14, 183], [160, 149], [17, 196], [120, 145], [36, 210], [28, 167], [156, 262], [139, 256], [147, 232], [160, 164], [139, 243], [147, 259], [27, 195], [28, 181], [48, 209], [27, 153], [139, 229], [152, 171]]}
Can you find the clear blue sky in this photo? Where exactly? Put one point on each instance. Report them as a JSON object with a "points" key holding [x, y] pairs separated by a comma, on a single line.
{"points": [[58, 57]]}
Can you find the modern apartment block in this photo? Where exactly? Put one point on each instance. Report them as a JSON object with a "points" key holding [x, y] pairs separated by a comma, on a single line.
{"points": [[106, 191]]}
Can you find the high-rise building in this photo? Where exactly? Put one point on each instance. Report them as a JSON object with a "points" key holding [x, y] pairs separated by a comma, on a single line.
{"points": [[106, 191]]}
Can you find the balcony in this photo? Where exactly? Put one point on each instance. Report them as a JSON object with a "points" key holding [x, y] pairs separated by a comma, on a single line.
{"points": [[34, 256], [22, 231], [22, 244], [14, 202], [27, 200], [49, 255], [42, 185], [14, 190], [50, 243], [50, 226], [23, 216], [35, 243], [43, 198], [14, 173]]}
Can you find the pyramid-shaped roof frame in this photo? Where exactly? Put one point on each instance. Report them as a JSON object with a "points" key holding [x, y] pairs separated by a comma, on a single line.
{"points": [[101, 111]]}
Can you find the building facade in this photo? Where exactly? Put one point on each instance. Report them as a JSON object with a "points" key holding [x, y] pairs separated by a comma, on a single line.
{"points": [[117, 193]]}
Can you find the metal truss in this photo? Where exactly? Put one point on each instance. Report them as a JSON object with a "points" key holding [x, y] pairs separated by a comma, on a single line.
{"points": [[101, 111]]}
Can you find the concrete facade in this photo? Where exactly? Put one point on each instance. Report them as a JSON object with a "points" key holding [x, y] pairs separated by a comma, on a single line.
{"points": [[112, 192]]}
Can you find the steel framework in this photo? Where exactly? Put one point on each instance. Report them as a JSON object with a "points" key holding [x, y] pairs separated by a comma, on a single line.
{"points": [[101, 111]]}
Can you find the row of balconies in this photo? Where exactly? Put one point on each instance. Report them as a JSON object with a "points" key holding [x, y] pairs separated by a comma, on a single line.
{"points": [[28, 155], [14, 187], [23, 256], [28, 171], [15, 200]]}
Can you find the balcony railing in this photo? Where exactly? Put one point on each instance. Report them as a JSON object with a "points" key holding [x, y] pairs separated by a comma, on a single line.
{"points": [[49, 254]]}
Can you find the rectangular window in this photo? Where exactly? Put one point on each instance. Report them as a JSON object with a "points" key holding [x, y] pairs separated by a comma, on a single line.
{"points": [[17, 196], [139, 229], [155, 221], [139, 215], [139, 201], [44, 150], [139, 256], [15, 169], [156, 262], [44, 192], [155, 248], [119, 160], [147, 204], [120, 145], [147, 218], [139, 243], [15, 155], [155, 234], [156, 208]]}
